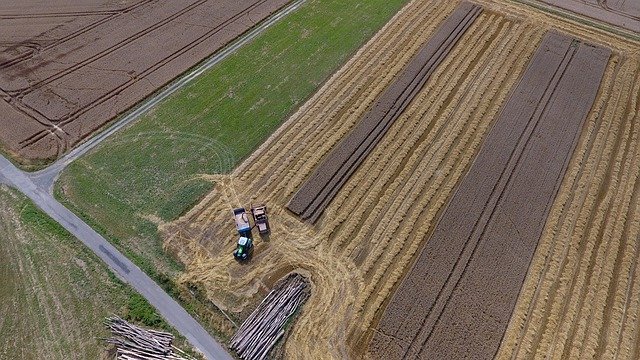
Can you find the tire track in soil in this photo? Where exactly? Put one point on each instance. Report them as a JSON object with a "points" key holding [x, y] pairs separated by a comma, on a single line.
{"points": [[328, 178], [483, 238], [579, 307], [89, 103], [406, 242]]}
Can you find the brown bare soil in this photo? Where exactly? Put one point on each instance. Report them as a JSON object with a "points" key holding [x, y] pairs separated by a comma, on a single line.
{"points": [[581, 297], [458, 297], [329, 177], [625, 14], [370, 232], [68, 69]]}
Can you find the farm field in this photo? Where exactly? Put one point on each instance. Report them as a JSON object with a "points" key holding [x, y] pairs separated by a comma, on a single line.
{"points": [[372, 231], [457, 299], [68, 69], [165, 158], [54, 293], [580, 298], [393, 204]]}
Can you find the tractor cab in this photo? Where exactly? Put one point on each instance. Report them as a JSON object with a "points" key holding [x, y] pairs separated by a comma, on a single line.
{"points": [[244, 249]]}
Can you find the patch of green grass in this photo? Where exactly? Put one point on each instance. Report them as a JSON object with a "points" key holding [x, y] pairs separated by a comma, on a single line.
{"points": [[149, 173], [55, 292]]}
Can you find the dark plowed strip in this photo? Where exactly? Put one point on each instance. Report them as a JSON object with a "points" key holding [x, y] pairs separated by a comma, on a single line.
{"points": [[457, 299], [318, 191]]}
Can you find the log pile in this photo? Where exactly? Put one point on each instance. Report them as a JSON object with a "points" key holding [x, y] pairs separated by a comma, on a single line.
{"points": [[135, 343], [266, 325]]}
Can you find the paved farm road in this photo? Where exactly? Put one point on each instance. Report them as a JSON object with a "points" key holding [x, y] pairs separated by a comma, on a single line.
{"points": [[119, 264]]}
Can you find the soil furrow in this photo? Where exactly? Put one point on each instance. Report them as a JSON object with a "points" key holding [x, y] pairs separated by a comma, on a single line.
{"points": [[331, 174], [498, 228]]}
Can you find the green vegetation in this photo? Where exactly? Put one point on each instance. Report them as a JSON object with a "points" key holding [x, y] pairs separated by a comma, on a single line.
{"points": [[149, 173], [54, 292]]}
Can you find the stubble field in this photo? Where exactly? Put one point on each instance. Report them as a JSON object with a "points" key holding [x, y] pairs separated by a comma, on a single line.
{"points": [[370, 232]]}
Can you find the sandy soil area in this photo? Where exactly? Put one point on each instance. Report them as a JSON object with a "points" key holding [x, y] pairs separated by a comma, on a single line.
{"points": [[67, 70], [457, 299]]}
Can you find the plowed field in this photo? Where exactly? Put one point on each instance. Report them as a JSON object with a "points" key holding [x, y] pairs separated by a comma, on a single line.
{"points": [[68, 69], [372, 229]]}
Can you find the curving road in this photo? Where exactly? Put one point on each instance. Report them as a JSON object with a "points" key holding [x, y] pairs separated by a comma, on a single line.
{"points": [[38, 187], [119, 264]]}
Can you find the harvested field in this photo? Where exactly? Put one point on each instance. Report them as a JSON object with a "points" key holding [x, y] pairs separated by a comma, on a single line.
{"points": [[457, 299], [368, 235], [316, 193], [67, 70], [581, 297], [625, 14]]}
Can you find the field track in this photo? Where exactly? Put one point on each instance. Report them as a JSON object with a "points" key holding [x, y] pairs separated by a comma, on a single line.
{"points": [[625, 14], [457, 299], [67, 81], [370, 232], [315, 194]]}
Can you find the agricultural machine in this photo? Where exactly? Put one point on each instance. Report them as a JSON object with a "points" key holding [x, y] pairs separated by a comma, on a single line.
{"points": [[260, 219], [244, 247]]}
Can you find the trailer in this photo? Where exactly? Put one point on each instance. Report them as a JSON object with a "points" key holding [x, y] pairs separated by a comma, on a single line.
{"points": [[260, 219], [242, 222]]}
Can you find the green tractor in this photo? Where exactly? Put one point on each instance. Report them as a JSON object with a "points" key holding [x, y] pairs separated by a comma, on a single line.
{"points": [[244, 249]]}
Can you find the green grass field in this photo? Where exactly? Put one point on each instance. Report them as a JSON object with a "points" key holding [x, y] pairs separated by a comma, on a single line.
{"points": [[54, 292], [148, 173]]}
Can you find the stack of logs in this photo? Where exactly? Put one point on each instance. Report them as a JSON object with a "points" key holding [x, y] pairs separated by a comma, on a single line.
{"points": [[135, 343], [266, 325]]}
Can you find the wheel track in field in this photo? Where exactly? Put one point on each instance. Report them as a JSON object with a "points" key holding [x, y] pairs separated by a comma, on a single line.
{"points": [[398, 208], [577, 173], [351, 87], [468, 144], [110, 15], [587, 292], [378, 171]]}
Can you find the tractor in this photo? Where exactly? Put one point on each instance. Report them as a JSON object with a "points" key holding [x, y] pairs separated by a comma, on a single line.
{"points": [[244, 247]]}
